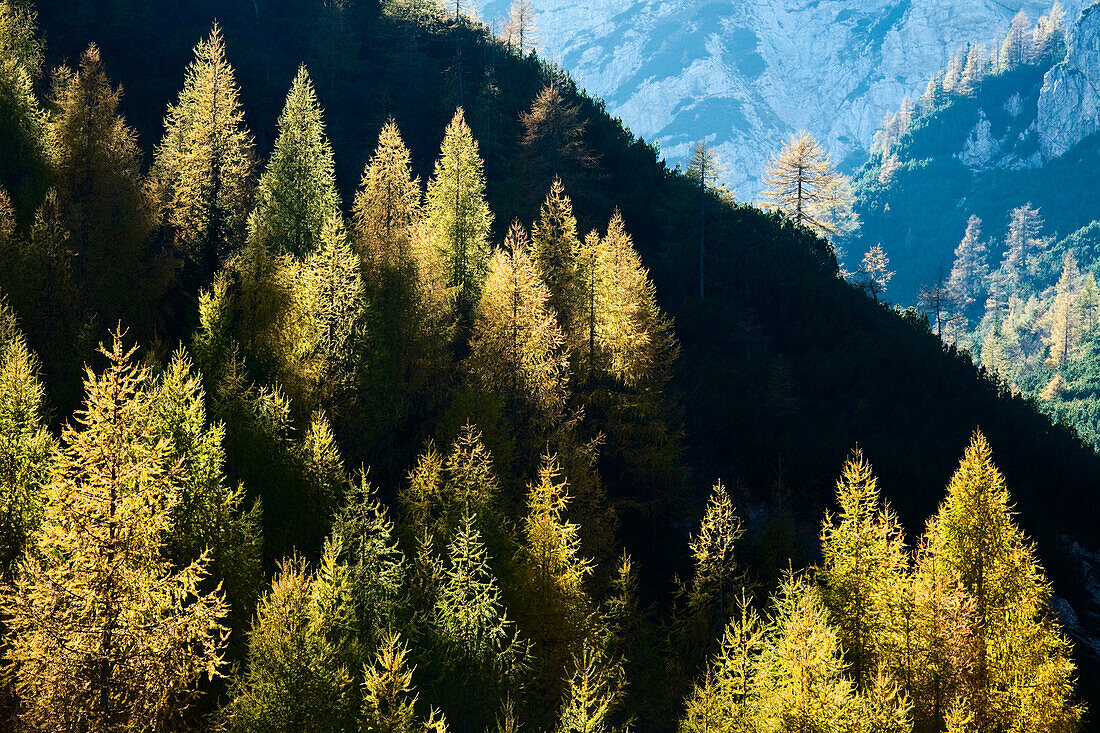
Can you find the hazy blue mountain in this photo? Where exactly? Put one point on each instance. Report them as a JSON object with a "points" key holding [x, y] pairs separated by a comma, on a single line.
{"points": [[743, 74]]}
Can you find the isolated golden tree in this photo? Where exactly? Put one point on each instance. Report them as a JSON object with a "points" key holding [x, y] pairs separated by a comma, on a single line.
{"points": [[802, 183]]}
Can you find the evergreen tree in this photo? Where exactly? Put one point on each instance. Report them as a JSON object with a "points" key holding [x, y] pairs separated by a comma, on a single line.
{"points": [[801, 679], [801, 183], [102, 200], [1023, 672], [105, 636], [204, 165], [863, 573], [297, 191], [24, 161], [554, 251], [294, 681], [26, 447], [555, 608], [481, 656], [1049, 39], [459, 215], [209, 519]]}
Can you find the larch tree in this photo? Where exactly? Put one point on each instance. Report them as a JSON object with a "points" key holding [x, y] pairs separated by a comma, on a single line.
{"points": [[459, 215], [204, 165], [104, 634], [210, 518], [481, 655], [940, 306], [442, 489], [594, 694], [1023, 670], [1016, 49], [405, 368], [24, 160], [726, 700], [1049, 36], [554, 144], [517, 351], [386, 206], [327, 321], [1064, 318], [874, 272], [389, 697], [294, 681], [555, 610], [710, 596], [802, 183], [26, 447], [1022, 244], [939, 650], [966, 283], [296, 194], [863, 573], [101, 196], [521, 32], [703, 171], [801, 680]]}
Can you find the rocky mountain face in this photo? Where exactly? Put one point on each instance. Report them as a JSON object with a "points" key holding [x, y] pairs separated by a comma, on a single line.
{"points": [[1069, 103], [744, 74]]}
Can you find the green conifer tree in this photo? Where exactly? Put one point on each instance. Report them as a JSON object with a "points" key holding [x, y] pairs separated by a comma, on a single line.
{"points": [[209, 519], [102, 199], [801, 680], [105, 636], [26, 447], [297, 191], [481, 657], [24, 162], [863, 572], [459, 215], [555, 610], [294, 682], [204, 165], [554, 251]]}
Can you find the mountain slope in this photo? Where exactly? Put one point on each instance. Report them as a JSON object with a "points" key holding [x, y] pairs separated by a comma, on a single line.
{"points": [[785, 367], [1027, 135], [744, 75]]}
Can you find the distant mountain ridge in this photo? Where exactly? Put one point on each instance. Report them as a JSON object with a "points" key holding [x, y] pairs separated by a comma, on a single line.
{"points": [[1030, 135], [743, 75]]}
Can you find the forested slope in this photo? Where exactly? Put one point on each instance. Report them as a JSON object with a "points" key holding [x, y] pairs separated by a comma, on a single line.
{"points": [[525, 397]]}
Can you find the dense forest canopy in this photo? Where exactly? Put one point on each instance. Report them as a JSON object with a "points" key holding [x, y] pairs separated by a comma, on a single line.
{"points": [[368, 382]]}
